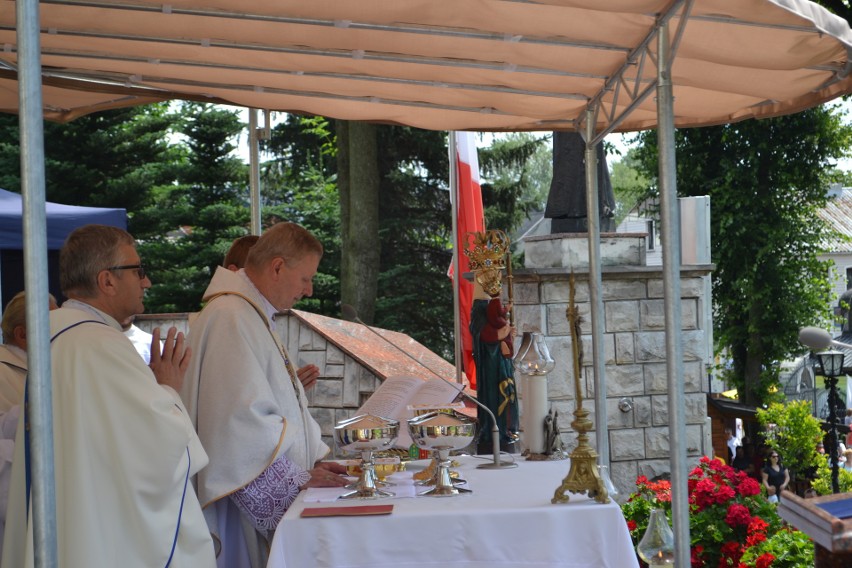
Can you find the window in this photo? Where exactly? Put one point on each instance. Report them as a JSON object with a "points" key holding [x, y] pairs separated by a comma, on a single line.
{"points": [[652, 236]]}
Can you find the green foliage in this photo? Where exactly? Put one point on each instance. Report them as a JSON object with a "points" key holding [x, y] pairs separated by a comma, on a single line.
{"points": [[628, 184], [515, 171], [765, 182], [822, 482], [189, 225], [792, 432], [786, 548], [107, 159], [414, 293]]}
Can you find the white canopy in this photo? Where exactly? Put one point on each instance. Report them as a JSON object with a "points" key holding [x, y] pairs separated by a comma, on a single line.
{"points": [[440, 65]]}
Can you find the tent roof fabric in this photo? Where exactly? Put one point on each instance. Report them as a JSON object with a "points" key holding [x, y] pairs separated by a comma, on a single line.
{"points": [[61, 220], [489, 65]]}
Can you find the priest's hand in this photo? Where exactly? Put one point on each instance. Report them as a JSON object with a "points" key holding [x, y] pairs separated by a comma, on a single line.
{"points": [[170, 364], [333, 467], [322, 477], [308, 376]]}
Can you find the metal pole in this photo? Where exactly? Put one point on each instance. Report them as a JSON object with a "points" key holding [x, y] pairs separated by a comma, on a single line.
{"points": [[671, 290], [254, 173], [454, 205], [40, 406], [833, 404], [596, 308]]}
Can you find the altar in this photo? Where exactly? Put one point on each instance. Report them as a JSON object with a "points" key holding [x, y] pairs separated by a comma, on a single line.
{"points": [[507, 521]]}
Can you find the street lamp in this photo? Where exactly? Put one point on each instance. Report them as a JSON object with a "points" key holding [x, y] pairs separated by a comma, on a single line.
{"points": [[831, 364]]}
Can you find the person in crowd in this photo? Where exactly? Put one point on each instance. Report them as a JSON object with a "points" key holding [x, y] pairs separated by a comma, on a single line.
{"points": [[847, 464], [776, 477], [236, 256], [123, 441], [732, 443], [247, 402], [741, 461], [13, 374], [847, 421], [13, 351], [140, 339], [759, 460]]}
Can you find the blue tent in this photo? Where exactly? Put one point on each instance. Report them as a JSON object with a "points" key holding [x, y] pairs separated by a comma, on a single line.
{"points": [[61, 220]]}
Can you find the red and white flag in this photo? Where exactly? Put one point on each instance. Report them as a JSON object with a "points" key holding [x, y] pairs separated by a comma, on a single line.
{"points": [[470, 218]]}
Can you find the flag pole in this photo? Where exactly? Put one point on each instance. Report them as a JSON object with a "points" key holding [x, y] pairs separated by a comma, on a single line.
{"points": [[454, 201]]}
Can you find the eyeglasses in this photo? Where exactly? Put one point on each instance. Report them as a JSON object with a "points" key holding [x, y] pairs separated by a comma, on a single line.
{"points": [[140, 270], [774, 456]]}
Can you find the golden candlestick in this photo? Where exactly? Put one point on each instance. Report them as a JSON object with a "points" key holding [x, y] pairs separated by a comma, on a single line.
{"points": [[583, 477]]}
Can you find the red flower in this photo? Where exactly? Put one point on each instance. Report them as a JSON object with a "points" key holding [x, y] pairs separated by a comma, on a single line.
{"points": [[724, 493], [757, 525], [738, 515], [731, 550], [748, 487], [695, 558], [764, 561], [754, 539], [631, 525]]}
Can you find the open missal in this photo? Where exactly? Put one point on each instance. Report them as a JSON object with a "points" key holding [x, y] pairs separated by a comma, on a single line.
{"points": [[397, 397]]}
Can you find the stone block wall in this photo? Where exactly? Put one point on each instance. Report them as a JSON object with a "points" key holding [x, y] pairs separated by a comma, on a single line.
{"points": [[634, 358]]}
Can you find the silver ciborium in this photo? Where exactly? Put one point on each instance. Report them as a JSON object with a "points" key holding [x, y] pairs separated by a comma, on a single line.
{"points": [[366, 433], [442, 432]]}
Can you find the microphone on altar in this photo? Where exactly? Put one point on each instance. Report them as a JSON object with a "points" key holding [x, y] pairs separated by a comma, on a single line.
{"points": [[350, 313], [817, 339]]}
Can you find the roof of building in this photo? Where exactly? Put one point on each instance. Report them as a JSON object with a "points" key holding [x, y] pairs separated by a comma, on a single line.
{"points": [[838, 213], [385, 353]]}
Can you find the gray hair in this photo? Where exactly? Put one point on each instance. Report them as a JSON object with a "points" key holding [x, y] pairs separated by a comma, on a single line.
{"points": [[86, 252], [289, 241]]}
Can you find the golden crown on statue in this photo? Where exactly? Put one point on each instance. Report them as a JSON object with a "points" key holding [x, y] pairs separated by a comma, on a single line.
{"points": [[486, 250]]}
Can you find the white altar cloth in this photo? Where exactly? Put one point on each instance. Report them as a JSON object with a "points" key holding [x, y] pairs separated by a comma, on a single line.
{"points": [[507, 522]]}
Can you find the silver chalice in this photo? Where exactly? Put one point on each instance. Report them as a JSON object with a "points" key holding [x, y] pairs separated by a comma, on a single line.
{"points": [[442, 432], [365, 434]]}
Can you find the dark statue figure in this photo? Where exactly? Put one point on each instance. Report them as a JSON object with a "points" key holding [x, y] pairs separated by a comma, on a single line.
{"points": [[495, 385], [566, 202]]}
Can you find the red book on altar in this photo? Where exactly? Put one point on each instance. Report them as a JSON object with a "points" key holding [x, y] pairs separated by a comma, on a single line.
{"points": [[347, 511]]}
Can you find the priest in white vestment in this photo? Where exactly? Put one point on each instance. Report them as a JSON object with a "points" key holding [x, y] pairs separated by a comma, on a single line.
{"points": [[13, 373], [247, 401], [124, 447]]}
